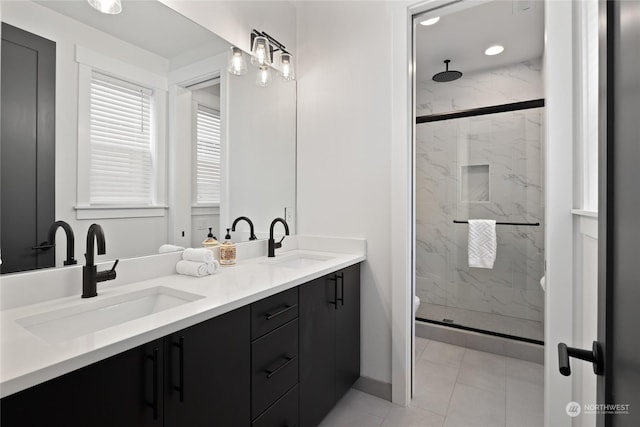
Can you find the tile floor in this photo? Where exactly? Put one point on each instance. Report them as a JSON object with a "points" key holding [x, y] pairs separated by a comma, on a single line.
{"points": [[487, 321], [455, 387]]}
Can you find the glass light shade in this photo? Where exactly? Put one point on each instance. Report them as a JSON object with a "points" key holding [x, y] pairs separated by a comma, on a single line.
{"points": [[260, 55], [263, 77], [286, 66], [111, 7], [237, 64]]}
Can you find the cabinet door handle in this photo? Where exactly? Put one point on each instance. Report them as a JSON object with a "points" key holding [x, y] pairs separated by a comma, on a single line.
{"points": [[180, 387], [341, 277], [335, 291], [281, 311], [154, 403], [286, 363], [44, 246]]}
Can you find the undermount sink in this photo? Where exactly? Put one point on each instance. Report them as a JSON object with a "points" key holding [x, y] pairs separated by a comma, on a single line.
{"points": [[298, 260], [87, 317]]}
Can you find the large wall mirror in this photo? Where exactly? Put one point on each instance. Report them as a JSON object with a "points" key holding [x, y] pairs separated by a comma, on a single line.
{"points": [[203, 147]]}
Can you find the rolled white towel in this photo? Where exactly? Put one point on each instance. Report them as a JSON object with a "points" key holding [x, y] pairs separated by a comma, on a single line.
{"points": [[169, 248], [198, 255], [212, 267], [192, 268]]}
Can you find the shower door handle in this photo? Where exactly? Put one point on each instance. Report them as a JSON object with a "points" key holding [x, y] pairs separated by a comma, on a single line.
{"points": [[595, 356]]}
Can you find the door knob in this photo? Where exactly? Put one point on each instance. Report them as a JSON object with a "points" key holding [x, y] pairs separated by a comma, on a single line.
{"points": [[594, 356]]}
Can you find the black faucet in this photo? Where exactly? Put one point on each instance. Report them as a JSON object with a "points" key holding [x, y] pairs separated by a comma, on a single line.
{"points": [[70, 240], [272, 243], [90, 274], [244, 218]]}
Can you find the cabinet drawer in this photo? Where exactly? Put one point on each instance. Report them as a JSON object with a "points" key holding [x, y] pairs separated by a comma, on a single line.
{"points": [[272, 312], [283, 413], [274, 364]]}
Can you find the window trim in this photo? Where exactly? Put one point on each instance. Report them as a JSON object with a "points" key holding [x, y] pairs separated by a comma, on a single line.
{"points": [[194, 156], [88, 62]]}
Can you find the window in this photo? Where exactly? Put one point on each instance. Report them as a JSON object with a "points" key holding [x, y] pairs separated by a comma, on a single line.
{"points": [[122, 133], [121, 143], [207, 156]]}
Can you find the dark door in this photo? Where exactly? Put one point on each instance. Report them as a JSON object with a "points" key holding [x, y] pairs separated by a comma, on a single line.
{"points": [[27, 149], [348, 330], [317, 315], [619, 234], [208, 373], [118, 391]]}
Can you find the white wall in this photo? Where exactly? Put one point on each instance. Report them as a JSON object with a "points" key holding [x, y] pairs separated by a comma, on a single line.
{"points": [[264, 151], [559, 253], [585, 315], [234, 20], [344, 144], [125, 237]]}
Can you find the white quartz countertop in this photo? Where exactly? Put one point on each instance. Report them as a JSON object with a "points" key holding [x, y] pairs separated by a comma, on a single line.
{"points": [[27, 360]]}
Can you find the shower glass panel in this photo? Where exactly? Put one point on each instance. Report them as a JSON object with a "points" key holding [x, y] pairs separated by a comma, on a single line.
{"points": [[481, 167]]}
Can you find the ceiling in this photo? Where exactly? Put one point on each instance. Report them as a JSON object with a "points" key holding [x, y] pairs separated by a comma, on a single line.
{"points": [[148, 24], [463, 34]]}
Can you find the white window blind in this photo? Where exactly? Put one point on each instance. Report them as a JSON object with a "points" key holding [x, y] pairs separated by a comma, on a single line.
{"points": [[207, 155], [121, 143]]}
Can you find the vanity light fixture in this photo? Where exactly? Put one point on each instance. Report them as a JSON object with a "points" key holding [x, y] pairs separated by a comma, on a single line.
{"points": [[110, 7], [237, 63], [263, 48], [430, 21], [494, 50]]}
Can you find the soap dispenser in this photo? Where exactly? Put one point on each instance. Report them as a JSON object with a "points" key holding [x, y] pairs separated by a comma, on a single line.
{"points": [[212, 244], [227, 251]]}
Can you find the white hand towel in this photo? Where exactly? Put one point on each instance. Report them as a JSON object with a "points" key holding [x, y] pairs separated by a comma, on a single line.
{"points": [[198, 255], [482, 243], [212, 267], [192, 268], [169, 248]]}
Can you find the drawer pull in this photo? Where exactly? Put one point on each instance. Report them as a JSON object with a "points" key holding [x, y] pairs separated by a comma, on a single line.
{"points": [[180, 388], [281, 311], [340, 276], [286, 363], [335, 292], [154, 402]]}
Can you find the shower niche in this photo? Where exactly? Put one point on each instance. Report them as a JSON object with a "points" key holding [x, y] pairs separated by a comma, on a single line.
{"points": [[475, 183]]}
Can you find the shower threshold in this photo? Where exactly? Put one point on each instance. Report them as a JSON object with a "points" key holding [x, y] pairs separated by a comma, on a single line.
{"points": [[529, 331]]}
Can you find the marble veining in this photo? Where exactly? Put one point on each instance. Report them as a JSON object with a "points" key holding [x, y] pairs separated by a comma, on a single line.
{"points": [[510, 144]]}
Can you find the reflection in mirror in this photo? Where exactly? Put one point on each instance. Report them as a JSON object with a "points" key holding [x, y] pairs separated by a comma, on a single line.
{"points": [[151, 137]]}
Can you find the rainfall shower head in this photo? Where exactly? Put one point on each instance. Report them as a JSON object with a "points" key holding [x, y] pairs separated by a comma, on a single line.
{"points": [[447, 76]]}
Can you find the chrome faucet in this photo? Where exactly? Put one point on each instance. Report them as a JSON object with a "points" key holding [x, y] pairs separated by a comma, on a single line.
{"points": [[252, 235], [90, 274], [272, 243], [68, 231]]}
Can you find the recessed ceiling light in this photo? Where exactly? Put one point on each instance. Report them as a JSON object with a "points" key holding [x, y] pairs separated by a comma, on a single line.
{"points": [[430, 21], [494, 50]]}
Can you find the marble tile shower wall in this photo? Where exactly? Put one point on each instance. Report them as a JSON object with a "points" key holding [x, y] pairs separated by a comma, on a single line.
{"points": [[518, 82], [482, 167]]}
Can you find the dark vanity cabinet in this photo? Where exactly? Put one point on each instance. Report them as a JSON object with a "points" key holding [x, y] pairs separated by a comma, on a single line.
{"points": [[275, 360], [207, 381], [329, 342], [282, 361], [197, 377], [118, 391]]}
